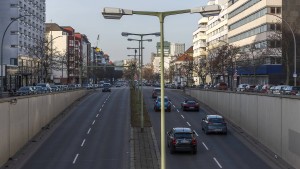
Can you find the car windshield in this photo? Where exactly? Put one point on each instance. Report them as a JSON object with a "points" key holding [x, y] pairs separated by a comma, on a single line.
{"points": [[216, 120], [191, 102], [183, 135]]}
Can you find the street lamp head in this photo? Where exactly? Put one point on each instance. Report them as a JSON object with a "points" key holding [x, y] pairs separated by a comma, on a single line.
{"points": [[156, 34], [115, 13], [125, 34], [209, 10]]}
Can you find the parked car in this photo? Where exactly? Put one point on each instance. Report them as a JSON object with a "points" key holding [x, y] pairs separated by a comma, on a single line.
{"points": [[181, 139], [279, 89], [189, 104], [291, 90], [222, 86], [250, 88], [214, 123], [25, 90], [45, 85], [157, 104], [241, 87], [155, 92], [106, 87]]}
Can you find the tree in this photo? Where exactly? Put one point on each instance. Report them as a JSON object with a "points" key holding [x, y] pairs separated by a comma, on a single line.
{"points": [[280, 44], [187, 68], [201, 69]]}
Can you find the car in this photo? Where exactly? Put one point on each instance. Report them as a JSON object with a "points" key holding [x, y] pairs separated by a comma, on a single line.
{"points": [[222, 86], [155, 92], [157, 104], [181, 139], [25, 90], [189, 104], [241, 87], [295, 90], [45, 85], [106, 87], [214, 124]]}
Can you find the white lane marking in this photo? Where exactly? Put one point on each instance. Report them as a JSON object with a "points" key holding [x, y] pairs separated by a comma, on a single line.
{"points": [[97, 115], [74, 161], [182, 116], [188, 124], [102, 105], [196, 133], [93, 122], [100, 110], [177, 110], [89, 131], [205, 146], [82, 143], [217, 162], [173, 105]]}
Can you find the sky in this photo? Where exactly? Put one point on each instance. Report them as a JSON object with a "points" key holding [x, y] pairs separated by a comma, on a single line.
{"points": [[86, 18]]}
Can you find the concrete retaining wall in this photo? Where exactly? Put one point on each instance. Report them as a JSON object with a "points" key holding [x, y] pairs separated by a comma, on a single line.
{"points": [[272, 120], [21, 118]]}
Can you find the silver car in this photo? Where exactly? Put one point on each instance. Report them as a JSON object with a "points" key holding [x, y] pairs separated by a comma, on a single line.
{"points": [[214, 124]]}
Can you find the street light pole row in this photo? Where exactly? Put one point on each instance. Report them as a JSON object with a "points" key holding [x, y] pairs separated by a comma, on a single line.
{"points": [[117, 13], [141, 67]]}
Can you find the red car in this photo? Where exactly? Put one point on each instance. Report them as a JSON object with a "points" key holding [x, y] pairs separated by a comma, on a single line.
{"points": [[190, 105], [155, 92]]}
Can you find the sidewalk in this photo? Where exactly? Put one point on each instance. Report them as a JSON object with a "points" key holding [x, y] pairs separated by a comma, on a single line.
{"points": [[144, 149]]}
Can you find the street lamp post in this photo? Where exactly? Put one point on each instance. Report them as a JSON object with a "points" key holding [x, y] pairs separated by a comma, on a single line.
{"points": [[295, 48], [117, 13], [2, 40], [141, 66]]}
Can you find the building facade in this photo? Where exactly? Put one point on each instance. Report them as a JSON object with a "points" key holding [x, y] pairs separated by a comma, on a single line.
{"points": [[25, 24]]}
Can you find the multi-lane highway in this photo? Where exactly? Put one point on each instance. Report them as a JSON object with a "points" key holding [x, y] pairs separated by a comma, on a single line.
{"points": [[96, 134], [214, 151]]}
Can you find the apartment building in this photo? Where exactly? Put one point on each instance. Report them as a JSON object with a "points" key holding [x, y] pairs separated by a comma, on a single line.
{"points": [[249, 27], [57, 43], [24, 23]]}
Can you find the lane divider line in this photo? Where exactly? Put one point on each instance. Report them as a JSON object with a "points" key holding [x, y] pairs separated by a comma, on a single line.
{"points": [[74, 161], [182, 116], [196, 133], [93, 122], [82, 143], [205, 146], [97, 115], [173, 105], [217, 162], [89, 131], [188, 124], [100, 110], [177, 110], [102, 105]]}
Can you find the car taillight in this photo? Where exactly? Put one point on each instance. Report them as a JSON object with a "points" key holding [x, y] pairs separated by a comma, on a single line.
{"points": [[194, 141], [174, 141]]}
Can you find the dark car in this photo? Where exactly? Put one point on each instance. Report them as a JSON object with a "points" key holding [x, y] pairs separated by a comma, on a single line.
{"points": [[25, 90], [157, 104], [222, 86], [190, 105], [214, 124], [181, 139], [106, 87], [155, 92]]}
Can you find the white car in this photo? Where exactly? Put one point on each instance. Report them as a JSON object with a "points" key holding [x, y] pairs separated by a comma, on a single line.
{"points": [[242, 87]]}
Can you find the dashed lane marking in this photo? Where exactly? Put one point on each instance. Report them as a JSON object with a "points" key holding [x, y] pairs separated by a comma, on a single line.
{"points": [[188, 124], [89, 131], [217, 162], [74, 161], [205, 146], [182, 116], [82, 143]]}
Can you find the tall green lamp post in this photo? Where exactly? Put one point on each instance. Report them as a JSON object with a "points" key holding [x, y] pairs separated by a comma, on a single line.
{"points": [[117, 13]]}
